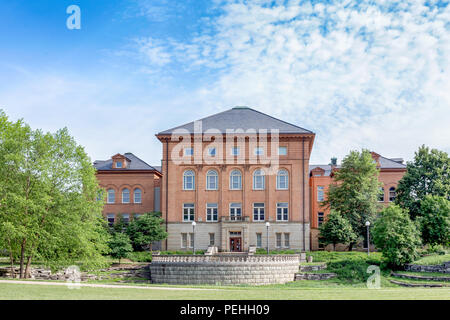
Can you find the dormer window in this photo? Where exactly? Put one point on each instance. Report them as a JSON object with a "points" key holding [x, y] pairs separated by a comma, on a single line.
{"points": [[119, 164]]}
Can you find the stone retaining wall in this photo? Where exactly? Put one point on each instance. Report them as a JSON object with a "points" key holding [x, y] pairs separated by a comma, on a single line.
{"points": [[224, 269], [314, 276], [316, 267], [443, 268]]}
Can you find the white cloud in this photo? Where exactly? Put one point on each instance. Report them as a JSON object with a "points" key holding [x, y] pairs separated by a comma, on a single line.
{"points": [[366, 75]]}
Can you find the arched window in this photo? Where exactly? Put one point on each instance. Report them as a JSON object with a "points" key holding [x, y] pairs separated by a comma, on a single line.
{"points": [[392, 194], [188, 180], [258, 180], [235, 180], [111, 196], [283, 179], [137, 195], [126, 195], [381, 196], [212, 180]]}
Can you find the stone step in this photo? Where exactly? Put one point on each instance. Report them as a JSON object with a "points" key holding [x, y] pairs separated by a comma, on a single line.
{"points": [[416, 277], [314, 276], [441, 268], [316, 267], [423, 285]]}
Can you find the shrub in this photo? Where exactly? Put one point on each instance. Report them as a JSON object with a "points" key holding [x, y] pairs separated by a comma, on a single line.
{"points": [[120, 246], [396, 236], [435, 220], [143, 256], [337, 229]]}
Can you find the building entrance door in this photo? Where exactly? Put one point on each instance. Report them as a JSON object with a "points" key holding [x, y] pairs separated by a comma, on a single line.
{"points": [[235, 244]]}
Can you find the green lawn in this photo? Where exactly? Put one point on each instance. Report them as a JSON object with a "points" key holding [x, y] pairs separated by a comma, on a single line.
{"points": [[434, 259], [24, 291]]}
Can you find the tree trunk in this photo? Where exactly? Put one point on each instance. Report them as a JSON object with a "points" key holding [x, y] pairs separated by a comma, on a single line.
{"points": [[22, 257], [350, 246], [334, 246], [27, 268]]}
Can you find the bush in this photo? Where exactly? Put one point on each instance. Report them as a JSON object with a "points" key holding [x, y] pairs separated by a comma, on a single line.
{"points": [[142, 256], [120, 246], [396, 236], [435, 220], [336, 229]]}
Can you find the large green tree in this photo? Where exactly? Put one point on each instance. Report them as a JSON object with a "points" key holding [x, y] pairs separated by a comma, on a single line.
{"points": [[427, 174], [146, 229], [120, 245], [435, 220], [355, 191], [337, 229], [48, 199], [397, 236]]}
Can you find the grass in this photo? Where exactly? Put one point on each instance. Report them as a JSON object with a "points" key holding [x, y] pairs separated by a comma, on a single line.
{"points": [[432, 260], [47, 292]]}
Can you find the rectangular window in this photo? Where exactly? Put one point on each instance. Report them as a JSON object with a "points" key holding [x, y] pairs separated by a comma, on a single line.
{"points": [[258, 240], [211, 239], [258, 212], [212, 152], [119, 164], [188, 212], [188, 151], [137, 216], [286, 240], [184, 240], [282, 151], [282, 211], [235, 211], [278, 240], [211, 212], [191, 242], [126, 218], [319, 218], [234, 151], [259, 151], [320, 194], [111, 218]]}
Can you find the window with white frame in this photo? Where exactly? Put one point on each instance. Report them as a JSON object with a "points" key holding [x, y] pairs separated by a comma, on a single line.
{"points": [[320, 193], [258, 180], [392, 194], [320, 218], [286, 240], [126, 195], [258, 240], [235, 151], [282, 211], [137, 195], [282, 179], [259, 151], [184, 240], [126, 218], [278, 238], [188, 180], [191, 238], [188, 212], [111, 196], [212, 180], [282, 151], [211, 212], [212, 151], [188, 151], [258, 212], [235, 211], [111, 218], [235, 180], [212, 240], [118, 164]]}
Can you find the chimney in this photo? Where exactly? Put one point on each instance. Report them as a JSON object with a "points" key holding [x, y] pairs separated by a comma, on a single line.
{"points": [[333, 162]]}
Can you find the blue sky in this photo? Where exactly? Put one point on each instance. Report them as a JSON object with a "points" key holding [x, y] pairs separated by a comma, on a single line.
{"points": [[375, 74]]}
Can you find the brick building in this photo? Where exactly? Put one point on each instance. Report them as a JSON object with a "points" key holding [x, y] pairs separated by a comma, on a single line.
{"points": [[321, 176], [132, 186], [231, 173]]}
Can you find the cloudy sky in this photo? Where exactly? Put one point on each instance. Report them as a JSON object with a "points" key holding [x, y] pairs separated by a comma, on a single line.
{"points": [[366, 74]]}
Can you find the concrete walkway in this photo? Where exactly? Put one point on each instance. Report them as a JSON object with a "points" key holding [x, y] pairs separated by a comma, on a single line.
{"points": [[95, 285]]}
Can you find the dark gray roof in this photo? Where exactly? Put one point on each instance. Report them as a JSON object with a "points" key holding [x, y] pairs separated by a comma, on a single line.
{"points": [[385, 163], [134, 164], [241, 118], [158, 168]]}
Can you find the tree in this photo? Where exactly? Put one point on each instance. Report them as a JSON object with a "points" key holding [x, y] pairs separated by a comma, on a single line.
{"points": [[147, 229], [337, 229], [355, 191], [120, 246], [427, 174], [435, 220], [48, 205], [397, 236]]}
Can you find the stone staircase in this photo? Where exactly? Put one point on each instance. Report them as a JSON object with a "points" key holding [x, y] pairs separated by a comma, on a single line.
{"points": [[313, 272], [427, 276]]}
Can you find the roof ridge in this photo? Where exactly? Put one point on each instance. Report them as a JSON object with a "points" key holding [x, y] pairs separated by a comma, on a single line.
{"points": [[402, 164], [140, 159]]}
